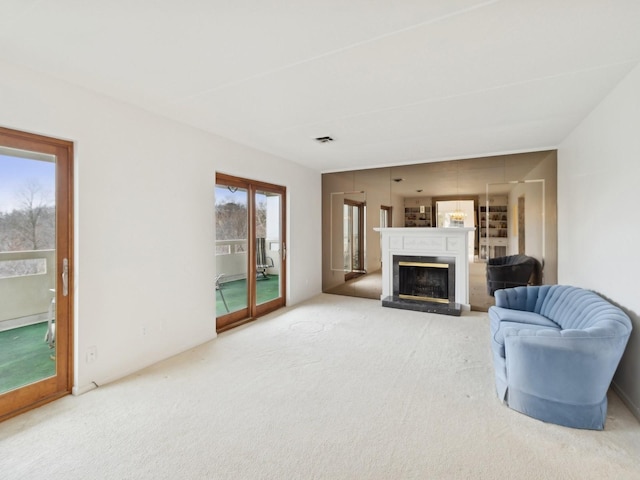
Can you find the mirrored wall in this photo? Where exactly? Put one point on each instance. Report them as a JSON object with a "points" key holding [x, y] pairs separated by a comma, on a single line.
{"points": [[509, 199]]}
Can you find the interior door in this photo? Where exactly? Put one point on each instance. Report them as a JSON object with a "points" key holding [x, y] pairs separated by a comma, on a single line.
{"points": [[250, 250], [36, 270]]}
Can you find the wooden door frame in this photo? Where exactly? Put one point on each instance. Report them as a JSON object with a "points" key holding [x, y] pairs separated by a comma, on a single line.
{"points": [[389, 213], [360, 246], [253, 310], [44, 391]]}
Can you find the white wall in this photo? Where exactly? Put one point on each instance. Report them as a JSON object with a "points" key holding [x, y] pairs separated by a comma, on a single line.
{"points": [[144, 221], [598, 217]]}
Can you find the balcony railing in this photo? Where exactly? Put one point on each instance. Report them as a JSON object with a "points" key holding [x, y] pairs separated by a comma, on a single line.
{"points": [[231, 258], [27, 279]]}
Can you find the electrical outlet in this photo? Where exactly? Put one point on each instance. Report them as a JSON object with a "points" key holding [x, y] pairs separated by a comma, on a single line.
{"points": [[92, 354]]}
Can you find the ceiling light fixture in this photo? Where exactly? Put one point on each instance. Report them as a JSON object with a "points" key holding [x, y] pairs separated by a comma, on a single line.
{"points": [[458, 215]]}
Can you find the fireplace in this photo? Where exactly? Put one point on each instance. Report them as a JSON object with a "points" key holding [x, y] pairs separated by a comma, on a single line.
{"points": [[428, 279], [430, 246], [424, 283]]}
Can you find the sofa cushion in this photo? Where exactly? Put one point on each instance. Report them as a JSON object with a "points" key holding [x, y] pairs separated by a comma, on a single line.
{"points": [[501, 318], [498, 334], [500, 314]]}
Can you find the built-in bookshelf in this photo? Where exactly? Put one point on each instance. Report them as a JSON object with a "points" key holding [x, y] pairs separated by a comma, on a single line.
{"points": [[494, 228], [417, 212]]}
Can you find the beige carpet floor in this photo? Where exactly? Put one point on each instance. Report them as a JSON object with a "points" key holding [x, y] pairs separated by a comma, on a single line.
{"points": [[479, 299], [365, 286], [334, 388]]}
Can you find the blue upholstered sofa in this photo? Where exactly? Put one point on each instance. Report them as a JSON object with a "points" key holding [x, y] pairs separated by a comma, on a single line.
{"points": [[555, 350]]}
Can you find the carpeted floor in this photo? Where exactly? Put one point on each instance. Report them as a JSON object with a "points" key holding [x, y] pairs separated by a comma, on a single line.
{"points": [[365, 286], [479, 299], [334, 388]]}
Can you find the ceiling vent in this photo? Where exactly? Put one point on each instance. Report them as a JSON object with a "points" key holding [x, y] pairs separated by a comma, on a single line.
{"points": [[324, 139]]}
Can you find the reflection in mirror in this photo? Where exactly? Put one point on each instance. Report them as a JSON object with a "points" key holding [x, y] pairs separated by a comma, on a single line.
{"points": [[353, 234], [348, 232], [522, 188], [353, 272], [519, 223], [457, 213]]}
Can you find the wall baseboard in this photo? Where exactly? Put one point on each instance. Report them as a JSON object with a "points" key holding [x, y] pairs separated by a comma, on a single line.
{"points": [[79, 390], [634, 409]]}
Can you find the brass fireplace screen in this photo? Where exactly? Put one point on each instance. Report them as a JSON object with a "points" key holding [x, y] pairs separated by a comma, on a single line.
{"points": [[425, 281]]}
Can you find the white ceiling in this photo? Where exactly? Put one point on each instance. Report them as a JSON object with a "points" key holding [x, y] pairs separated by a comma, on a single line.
{"points": [[393, 82]]}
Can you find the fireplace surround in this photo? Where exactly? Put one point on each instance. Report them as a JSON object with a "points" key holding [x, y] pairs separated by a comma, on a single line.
{"points": [[426, 246]]}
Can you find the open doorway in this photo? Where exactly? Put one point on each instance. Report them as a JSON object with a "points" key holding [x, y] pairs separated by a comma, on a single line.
{"points": [[457, 213]]}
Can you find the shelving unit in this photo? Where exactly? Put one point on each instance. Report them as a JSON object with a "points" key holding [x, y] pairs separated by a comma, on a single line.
{"points": [[494, 228], [413, 217], [417, 212]]}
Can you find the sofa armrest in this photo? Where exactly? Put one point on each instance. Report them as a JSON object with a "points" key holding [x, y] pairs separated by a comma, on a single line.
{"points": [[568, 366]]}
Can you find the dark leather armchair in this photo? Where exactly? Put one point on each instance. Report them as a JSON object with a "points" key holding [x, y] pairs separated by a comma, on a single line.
{"points": [[512, 271]]}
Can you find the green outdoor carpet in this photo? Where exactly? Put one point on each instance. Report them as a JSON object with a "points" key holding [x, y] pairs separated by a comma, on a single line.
{"points": [[235, 293], [24, 356]]}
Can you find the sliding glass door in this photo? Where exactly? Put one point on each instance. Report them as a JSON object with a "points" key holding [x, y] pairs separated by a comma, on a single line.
{"points": [[250, 249], [35, 270]]}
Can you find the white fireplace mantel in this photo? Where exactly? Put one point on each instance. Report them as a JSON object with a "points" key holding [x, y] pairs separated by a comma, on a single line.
{"points": [[449, 242]]}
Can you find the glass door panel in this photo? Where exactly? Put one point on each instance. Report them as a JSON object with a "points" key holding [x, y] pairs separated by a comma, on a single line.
{"points": [[27, 268], [268, 230], [232, 250], [353, 238], [35, 270], [347, 232]]}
